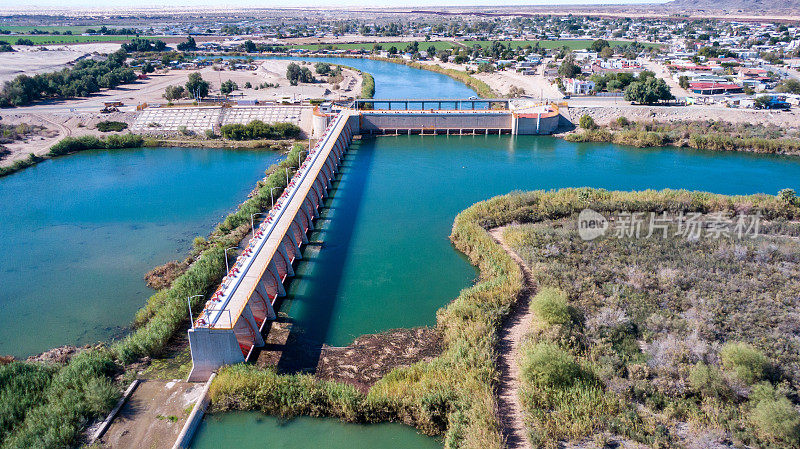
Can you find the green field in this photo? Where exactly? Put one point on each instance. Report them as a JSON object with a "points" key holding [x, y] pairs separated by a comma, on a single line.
{"points": [[45, 39], [60, 29]]}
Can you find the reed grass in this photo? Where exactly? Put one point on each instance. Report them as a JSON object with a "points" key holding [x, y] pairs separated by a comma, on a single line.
{"points": [[700, 135], [454, 393]]}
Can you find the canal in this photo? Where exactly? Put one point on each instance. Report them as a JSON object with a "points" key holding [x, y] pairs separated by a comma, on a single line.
{"points": [[79, 232], [385, 260]]}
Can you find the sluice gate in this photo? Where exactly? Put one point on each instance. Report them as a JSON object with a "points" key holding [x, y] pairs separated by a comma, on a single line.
{"points": [[230, 325]]}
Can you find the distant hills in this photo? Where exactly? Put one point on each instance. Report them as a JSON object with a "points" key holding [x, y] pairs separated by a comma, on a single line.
{"points": [[789, 6]]}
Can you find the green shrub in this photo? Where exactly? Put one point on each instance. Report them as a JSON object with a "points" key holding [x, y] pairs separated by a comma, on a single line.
{"points": [[776, 421], [550, 306], [108, 126], [748, 363], [367, 85], [708, 382], [623, 121], [545, 364], [70, 145], [260, 130], [587, 122]]}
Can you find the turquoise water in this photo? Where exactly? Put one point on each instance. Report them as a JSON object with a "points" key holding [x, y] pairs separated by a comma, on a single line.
{"points": [[397, 80], [253, 430], [385, 259], [381, 258], [78, 234]]}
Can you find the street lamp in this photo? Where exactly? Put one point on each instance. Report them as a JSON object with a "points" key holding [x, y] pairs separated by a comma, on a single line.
{"points": [[227, 269], [287, 176], [252, 223], [271, 196], [299, 159], [189, 301]]}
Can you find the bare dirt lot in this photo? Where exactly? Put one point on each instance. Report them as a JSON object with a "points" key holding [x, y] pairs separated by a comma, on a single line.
{"points": [[58, 126], [33, 60], [77, 117], [608, 112]]}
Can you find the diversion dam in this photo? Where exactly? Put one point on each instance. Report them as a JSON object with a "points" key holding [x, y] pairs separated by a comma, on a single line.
{"points": [[230, 325]]}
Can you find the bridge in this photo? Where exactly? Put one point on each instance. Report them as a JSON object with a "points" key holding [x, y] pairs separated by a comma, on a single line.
{"points": [[230, 326]]}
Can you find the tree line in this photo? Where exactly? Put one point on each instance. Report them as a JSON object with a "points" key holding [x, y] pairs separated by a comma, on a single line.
{"points": [[86, 77], [260, 130]]}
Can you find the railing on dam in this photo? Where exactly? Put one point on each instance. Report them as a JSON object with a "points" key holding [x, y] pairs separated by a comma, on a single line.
{"points": [[230, 325], [430, 103]]}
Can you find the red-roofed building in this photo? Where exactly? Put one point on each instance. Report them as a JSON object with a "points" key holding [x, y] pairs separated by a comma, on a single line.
{"points": [[715, 88]]}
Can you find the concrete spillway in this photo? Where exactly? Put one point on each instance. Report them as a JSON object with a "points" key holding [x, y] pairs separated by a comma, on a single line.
{"points": [[231, 323]]}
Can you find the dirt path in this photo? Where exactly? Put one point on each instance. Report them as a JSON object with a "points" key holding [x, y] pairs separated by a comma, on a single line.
{"points": [[514, 328], [154, 415]]}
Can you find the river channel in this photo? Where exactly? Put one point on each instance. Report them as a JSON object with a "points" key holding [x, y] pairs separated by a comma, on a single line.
{"points": [[385, 260]]}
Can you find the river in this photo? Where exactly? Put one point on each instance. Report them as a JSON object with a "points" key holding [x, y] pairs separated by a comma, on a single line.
{"points": [[79, 232], [385, 260]]}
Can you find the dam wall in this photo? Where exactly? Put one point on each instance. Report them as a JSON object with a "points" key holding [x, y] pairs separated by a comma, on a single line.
{"points": [[230, 325]]}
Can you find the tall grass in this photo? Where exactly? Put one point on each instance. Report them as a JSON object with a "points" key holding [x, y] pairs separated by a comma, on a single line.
{"points": [[22, 387], [80, 391], [454, 393], [701, 135], [51, 405]]}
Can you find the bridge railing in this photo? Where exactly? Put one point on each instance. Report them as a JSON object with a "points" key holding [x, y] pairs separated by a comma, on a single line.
{"points": [[220, 299]]}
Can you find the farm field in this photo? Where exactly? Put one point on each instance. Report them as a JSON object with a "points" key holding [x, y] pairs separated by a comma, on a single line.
{"points": [[23, 29], [49, 39]]}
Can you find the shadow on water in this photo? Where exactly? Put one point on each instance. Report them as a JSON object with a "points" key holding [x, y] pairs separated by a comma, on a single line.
{"points": [[313, 292]]}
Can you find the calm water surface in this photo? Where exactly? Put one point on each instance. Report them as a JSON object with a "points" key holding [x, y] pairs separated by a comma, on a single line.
{"points": [[394, 80], [386, 261], [78, 233], [253, 430]]}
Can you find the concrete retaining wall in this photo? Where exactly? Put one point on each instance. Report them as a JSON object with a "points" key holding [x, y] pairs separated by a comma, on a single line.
{"points": [[375, 122], [193, 421]]}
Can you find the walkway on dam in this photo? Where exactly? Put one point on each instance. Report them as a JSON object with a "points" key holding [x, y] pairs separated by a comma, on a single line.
{"points": [[230, 325]]}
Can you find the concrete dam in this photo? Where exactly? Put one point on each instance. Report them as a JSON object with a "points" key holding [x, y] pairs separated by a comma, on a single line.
{"points": [[231, 323], [450, 117]]}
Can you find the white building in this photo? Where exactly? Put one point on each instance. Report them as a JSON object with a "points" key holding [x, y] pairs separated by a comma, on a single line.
{"points": [[578, 87]]}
